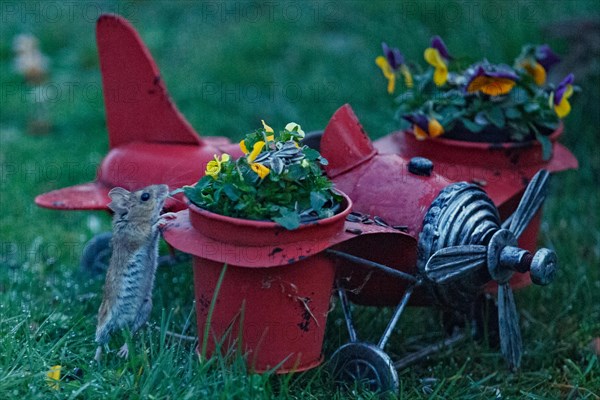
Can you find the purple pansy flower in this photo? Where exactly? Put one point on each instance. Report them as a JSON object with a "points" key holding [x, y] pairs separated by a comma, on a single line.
{"points": [[537, 61], [392, 63], [562, 88], [546, 57], [559, 99], [417, 119], [424, 127], [393, 56], [496, 71], [493, 80], [438, 44]]}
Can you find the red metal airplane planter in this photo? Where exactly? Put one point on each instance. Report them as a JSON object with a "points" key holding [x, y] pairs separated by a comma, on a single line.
{"points": [[456, 244], [415, 237]]}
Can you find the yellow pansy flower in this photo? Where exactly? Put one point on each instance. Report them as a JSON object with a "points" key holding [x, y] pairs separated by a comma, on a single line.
{"points": [[434, 58], [214, 166], [563, 108], [390, 63], [434, 129], [492, 81], [491, 86], [537, 61], [268, 129], [560, 97], [243, 147], [256, 149], [260, 170], [388, 73], [53, 376], [424, 127], [408, 79], [536, 70], [437, 56]]}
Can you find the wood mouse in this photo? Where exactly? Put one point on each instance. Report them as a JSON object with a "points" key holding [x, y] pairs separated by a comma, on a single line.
{"points": [[127, 297]]}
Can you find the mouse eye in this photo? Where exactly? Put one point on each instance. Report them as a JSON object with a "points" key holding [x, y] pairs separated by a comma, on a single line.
{"points": [[145, 196]]}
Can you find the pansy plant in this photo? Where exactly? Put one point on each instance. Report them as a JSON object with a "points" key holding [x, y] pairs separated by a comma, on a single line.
{"points": [[277, 179], [482, 102]]}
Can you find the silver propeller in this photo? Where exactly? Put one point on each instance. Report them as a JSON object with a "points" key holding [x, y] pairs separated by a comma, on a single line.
{"points": [[502, 258], [451, 263], [532, 200], [511, 344]]}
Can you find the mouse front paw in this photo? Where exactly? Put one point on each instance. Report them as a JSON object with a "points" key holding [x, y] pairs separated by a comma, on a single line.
{"points": [[164, 219]]}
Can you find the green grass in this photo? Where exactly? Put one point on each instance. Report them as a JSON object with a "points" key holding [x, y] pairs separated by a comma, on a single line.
{"points": [[280, 62]]}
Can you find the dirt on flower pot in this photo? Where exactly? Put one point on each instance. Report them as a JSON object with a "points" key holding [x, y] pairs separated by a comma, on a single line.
{"points": [[274, 298]]}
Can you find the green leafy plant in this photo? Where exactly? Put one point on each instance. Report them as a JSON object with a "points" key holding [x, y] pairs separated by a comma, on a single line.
{"points": [[277, 179], [482, 102]]}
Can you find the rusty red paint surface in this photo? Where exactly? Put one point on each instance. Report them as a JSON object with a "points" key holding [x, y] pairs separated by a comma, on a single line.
{"points": [[263, 244], [250, 244], [378, 185], [275, 316]]}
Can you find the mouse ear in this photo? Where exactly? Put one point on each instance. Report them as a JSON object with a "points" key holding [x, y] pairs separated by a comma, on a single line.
{"points": [[120, 198]]}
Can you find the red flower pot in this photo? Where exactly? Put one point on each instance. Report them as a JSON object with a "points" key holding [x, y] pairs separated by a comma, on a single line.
{"points": [[503, 169], [274, 297]]}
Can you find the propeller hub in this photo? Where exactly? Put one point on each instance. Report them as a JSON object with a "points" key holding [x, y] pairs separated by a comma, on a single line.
{"points": [[543, 266], [515, 258], [502, 256]]}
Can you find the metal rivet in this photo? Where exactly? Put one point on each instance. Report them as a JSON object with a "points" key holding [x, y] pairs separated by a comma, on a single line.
{"points": [[420, 166]]}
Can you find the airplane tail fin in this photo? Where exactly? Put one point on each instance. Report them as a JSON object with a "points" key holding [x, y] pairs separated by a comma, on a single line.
{"points": [[345, 144], [138, 106]]}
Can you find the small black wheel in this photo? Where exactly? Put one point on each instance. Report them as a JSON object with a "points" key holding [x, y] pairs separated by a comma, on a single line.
{"points": [[366, 364], [96, 255]]}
